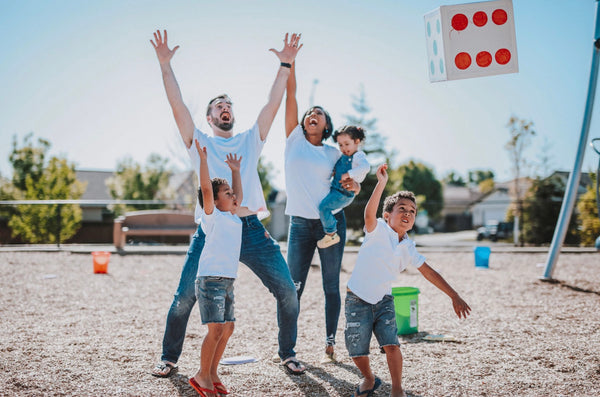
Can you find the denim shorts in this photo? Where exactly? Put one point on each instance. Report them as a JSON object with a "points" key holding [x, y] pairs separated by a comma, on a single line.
{"points": [[364, 319], [215, 299]]}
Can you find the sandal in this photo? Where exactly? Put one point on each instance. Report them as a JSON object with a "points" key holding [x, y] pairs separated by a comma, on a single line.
{"points": [[201, 390], [368, 392], [329, 359], [164, 370], [293, 366], [220, 388]]}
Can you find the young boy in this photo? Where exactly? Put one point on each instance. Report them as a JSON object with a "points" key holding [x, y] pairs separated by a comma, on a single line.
{"points": [[385, 252], [217, 268]]}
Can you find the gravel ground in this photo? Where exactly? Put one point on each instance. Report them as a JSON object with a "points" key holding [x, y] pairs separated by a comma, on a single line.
{"points": [[68, 332]]}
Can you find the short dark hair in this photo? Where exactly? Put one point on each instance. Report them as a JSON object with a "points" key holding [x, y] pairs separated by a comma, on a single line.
{"points": [[222, 96], [352, 131], [216, 185], [328, 124], [391, 201]]}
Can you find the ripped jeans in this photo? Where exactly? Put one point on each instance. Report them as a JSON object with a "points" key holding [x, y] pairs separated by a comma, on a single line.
{"points": [[215, 299], [364, 319]]}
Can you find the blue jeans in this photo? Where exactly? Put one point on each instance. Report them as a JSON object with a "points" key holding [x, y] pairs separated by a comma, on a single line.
{"points": [[215, 298], [333, 201], [263, 256], [364, 319], [302, 242]]}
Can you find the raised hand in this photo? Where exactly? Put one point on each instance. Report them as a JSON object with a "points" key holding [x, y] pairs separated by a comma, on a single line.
{"points": [[201, 150], [382, 175], [163, 52], [233, 162], [290, 48]]}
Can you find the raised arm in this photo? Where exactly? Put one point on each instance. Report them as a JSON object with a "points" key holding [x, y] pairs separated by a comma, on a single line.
{"points": [[182, 115], [208, 200], [291, 103], [286, 55], [236, 180], [373, 204], [461, 308]]}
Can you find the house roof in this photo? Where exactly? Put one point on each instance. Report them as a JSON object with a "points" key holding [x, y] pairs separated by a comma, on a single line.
{"points": [[96, 188]]}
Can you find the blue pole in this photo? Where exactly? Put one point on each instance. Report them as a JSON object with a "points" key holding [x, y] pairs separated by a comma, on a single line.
{"points": [[566, 210]]}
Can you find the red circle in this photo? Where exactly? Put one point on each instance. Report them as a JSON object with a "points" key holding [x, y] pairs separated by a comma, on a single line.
{"points": [[460, 22], [480, 18], [502, 56], [462, 60], [499, 16], [484, 59]]}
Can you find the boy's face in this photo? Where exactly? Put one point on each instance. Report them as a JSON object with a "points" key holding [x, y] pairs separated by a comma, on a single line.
{"points": [[402, 217], [226, 200]]}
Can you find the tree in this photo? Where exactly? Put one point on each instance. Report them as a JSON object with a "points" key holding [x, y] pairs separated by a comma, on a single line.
{"points": [[374, 147], [28, 160], [132, 182], [52, 223], [521, 131], [265, 169], [588, 216], [421, 180], [452, 179], [484, 179], [540, 212]]}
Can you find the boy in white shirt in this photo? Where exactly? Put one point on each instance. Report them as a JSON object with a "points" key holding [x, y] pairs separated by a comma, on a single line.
{"points": [[385, 252], [217, 268]]}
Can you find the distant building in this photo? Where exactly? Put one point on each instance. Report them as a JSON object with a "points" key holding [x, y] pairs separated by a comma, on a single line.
{"points": [[456, 214]]}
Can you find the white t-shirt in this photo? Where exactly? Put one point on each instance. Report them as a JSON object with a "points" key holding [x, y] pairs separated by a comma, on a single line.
{"points": [[380, 260], [308, 170], [360, 166], [248, 145], [221, 253]]}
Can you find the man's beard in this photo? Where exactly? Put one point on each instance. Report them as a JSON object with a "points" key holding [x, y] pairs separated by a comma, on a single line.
{"points": [[224, 125]]}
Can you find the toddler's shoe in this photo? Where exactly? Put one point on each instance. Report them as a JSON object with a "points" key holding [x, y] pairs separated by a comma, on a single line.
{"points": [[328, 240]]}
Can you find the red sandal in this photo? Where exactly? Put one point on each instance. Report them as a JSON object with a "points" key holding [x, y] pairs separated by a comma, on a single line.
{"points": [[201, 390], [220, 388]]}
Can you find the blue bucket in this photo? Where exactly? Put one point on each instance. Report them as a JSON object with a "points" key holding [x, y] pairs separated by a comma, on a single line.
{"points": [[482, 257]]}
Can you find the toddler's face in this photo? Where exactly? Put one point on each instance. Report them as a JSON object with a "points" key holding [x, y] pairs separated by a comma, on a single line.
{"points": [[402, 217], [348, 146]]}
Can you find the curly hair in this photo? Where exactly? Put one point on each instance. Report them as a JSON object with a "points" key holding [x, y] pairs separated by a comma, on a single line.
{"points": [[216, 185], [328, 124], [352, 131], [391, 201]]}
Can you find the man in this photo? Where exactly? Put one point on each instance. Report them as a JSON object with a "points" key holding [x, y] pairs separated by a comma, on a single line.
{"points": [[259, 251]]}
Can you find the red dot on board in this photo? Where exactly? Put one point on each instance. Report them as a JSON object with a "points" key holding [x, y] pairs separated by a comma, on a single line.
{"points": [[499, 16], [502, 56], [480, 18], [462, 60], [483, 59], [460, 22]]}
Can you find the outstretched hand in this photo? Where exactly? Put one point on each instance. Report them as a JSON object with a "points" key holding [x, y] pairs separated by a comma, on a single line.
{"points": [[382, 175], [290, 48], [201, 150], [163, 52], [461, 308], [233, 162]]}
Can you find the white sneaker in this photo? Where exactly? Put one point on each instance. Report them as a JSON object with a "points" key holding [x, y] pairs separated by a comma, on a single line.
{"points": [[328, 240]]}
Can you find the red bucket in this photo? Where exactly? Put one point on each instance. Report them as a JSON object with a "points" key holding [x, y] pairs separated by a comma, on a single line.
{"points": [[101, 259]]}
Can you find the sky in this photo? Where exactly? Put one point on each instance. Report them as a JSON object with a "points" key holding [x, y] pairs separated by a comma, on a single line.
{"points": [[84, 76]]}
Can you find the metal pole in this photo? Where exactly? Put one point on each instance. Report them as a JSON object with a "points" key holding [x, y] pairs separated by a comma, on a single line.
{"points": [[566, 209]]}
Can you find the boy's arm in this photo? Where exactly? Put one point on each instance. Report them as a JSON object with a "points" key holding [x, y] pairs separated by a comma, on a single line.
{"points": [[373, 204], [182, 115], [236, 179], [287, 55], [205, 183], [461, 308], [291, 103]]}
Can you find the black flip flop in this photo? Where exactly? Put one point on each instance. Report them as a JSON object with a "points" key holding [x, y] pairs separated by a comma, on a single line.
{"points": [[287, 364], [167, 368]]}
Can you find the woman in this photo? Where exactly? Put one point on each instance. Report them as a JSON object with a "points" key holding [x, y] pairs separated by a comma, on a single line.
{"points": [[308, 167]]}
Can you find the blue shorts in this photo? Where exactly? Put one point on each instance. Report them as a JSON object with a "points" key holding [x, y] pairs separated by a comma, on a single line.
{"points": [[215, 299], [364, 319]]}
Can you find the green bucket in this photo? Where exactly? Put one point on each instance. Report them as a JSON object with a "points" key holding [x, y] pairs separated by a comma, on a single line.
{"points": [[406, 303]]}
